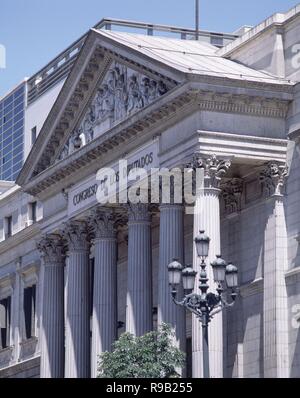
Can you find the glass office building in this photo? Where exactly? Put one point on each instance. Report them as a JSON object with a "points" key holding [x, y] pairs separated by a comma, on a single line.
{"points": [[12, 109]]}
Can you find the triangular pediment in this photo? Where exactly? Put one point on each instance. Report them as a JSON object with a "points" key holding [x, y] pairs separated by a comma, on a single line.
{"points": [[121, 93], [108, 84]]}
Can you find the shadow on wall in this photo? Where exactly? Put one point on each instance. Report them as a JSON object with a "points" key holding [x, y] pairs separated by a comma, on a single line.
{"points": [[293, 290], [245, 329]]}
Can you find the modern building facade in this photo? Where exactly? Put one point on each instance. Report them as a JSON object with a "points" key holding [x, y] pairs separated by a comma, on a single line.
{"points": [[75, 273], [12, 116]]}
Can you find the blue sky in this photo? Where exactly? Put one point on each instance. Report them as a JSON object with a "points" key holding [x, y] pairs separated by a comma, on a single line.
{"points": [[35, 31]]}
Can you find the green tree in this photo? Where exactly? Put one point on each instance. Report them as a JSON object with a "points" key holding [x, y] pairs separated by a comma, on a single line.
{"points": [[150, 356]]}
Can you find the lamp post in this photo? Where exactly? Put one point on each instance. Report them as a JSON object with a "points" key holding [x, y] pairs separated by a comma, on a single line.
{"points": [[206, 304]]}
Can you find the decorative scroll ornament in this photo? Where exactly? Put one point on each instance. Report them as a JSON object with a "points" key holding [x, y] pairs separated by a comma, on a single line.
{"points": [[122, 93], [214, 168], [273, 178], [232, 194], [76, 234], [52, 250]]}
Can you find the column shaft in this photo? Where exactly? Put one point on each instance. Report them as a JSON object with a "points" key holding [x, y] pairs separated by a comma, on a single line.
{"points": [[275, 318], [104, 331], [276, 360], [207, 217], [171, 246], [52, 331], [139, 290], [78, 311]]}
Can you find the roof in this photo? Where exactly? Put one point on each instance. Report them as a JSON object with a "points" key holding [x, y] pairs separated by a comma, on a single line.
{"points": [[277, 19], [190, 56]]}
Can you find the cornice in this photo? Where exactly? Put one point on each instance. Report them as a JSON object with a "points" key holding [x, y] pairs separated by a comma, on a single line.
{"points": [[242, 104], [293, 274], [282, 86], [20, 237], [253, 288]]}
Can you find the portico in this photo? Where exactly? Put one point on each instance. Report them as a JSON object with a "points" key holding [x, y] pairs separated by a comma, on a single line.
{"points": [[105, 264]]}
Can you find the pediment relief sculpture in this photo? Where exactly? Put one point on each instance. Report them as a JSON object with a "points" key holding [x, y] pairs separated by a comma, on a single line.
{"points": [[122, 93]]}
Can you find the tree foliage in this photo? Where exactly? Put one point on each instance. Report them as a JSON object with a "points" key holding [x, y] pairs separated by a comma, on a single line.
{"points": [[150, 356]]}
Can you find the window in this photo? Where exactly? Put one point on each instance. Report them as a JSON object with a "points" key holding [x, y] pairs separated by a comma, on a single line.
{"points": [[33, 135], [30, 311], [32, 212], [8, 227], [5, 322]]}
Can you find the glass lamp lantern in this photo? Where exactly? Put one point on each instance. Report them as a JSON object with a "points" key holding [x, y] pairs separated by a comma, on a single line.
{"points": [[202, 244], [231, 276], [219, 269], [174, 271], [188, 279]]}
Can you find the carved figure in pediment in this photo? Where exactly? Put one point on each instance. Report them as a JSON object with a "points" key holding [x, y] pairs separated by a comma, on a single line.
{"points": [[75, 142], [111, 80], [120, 94], [135, 99], [162, 88], [145, 90], [65, 152], [152, 90], [88, 124], [105, 103]]}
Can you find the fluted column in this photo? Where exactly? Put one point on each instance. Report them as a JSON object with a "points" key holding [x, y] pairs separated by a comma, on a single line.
{"points": [[104, 329], [207, 217], [78, 314], [171, 246], [139, 285], [52, 332], [275, 317]]}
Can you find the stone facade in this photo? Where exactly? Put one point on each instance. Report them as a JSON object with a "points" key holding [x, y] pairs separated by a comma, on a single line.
{"points": [[81, 273]]}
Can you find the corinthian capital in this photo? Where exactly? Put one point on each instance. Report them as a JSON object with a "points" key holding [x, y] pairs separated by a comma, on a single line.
{"points": [[138, 212], [213, 167], [76, 234], [103, 223], [51, 248], [273, 178]]}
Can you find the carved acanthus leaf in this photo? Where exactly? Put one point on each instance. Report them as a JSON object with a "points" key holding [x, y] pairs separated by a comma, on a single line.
{"points": [[52, 248], [138, 212], [103, 223], [76, 234], [214, 168]]}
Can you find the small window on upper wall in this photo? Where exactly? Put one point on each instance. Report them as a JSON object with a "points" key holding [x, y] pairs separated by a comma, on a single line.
{"points": [[33, 135], [30, 311], [33, 212], [5, 322], [8, 227]]}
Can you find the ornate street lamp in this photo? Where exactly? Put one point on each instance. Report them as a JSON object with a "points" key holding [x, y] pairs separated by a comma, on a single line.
{"points": [[204, 305]]}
